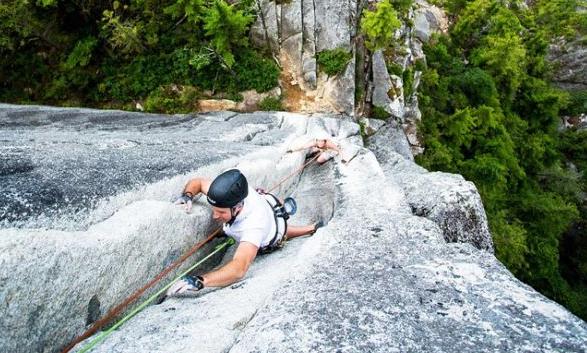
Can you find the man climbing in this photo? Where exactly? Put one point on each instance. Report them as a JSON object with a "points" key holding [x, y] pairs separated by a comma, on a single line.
{"points": [[256, 220], [326, 148]]}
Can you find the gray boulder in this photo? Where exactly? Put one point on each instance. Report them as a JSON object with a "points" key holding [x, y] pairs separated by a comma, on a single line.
{"points": [[451, 202], [428, 19], [381, 82], [341, 91], [570, 60], [388, 90], [448, 200], [388, 140]]}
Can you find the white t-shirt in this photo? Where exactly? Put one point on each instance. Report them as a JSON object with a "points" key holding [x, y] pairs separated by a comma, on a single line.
{"points": [[255, 223]]}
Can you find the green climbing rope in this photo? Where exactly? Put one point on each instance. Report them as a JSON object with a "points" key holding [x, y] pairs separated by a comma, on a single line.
{"points": [[104, 334]]}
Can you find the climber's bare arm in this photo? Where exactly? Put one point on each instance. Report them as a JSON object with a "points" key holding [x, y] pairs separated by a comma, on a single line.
{"points": [[197, 185], [235, 270], [192, 189]]}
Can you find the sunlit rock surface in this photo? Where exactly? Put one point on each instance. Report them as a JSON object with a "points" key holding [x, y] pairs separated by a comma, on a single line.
{"points": [[449, 200], [377, 278], [296, 32]]}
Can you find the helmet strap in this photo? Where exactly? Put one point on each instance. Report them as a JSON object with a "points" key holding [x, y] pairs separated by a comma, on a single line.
{"points": [[234, 211]]}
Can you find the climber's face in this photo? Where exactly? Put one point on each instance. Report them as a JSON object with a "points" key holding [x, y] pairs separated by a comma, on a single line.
{"points": [[221, 214]]}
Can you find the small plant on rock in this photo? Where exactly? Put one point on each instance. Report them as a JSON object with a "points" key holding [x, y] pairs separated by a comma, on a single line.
{"points": [[271, 104], [333, 62]]}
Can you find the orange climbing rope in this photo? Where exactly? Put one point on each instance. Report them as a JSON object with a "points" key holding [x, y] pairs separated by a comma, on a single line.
{"points": [[114, 312]]}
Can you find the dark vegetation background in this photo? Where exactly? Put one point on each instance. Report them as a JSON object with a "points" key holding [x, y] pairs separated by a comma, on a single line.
{"points": [[491, 114], [489, 109], [113, 54]]}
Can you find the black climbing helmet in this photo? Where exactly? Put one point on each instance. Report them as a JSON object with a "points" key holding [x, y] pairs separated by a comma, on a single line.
{"points": [[228, 189]]}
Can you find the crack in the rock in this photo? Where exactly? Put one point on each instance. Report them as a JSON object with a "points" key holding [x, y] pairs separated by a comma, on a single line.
{"points": [[264, 24], [231, 117]]}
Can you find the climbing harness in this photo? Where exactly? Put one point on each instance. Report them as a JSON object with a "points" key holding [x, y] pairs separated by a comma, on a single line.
{"points": [[114, 312], [281, 213], [280, 217]]}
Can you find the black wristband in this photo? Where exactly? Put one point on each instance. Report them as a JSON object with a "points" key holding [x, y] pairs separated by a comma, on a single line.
{"points": [[188, 194], [200, 282]]}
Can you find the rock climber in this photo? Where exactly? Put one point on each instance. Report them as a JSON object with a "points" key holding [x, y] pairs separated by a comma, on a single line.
{"points": [[255, 219], [326, 148]]}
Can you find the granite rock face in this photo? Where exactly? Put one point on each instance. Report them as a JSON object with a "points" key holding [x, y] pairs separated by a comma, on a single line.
{"points": [[91, 212], [388, 90], [388, 140], [429, 19], [377, 279], [295, 32], [381, 83], [570, 61], [446, 199], [380, 277]]}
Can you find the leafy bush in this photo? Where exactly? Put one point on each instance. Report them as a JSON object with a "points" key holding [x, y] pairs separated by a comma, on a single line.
{"points": [[81, 54], [402, 6], [227, 28], [395, 69], [334, 62], [408, 81], [172, 100], [379, 25], [577, 103], [113, 53], [271, 104], [379, 113]]}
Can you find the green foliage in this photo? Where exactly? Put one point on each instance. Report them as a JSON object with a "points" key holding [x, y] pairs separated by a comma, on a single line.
{"points": [[113, 53], [271, 104], [577, 103], [408, 80], [402, 6], [14, 25], [379, 25], [420, 65], [379, 113], [172, 100], [491, 115], [560, 17], [573, 144], [395, 69], [125, 36], [226, 27], [477, 86], [190, 9], [504, 57], [145, 74], [81, 55], [510, 241], [334, 62]]}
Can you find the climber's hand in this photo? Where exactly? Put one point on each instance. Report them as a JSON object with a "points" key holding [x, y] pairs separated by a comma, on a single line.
{"points": [[185, 199], [186, 285]]}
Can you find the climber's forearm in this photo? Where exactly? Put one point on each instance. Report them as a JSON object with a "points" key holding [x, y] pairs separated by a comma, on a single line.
{"points": [[196, 186], [235, 270], [226, 275]]}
